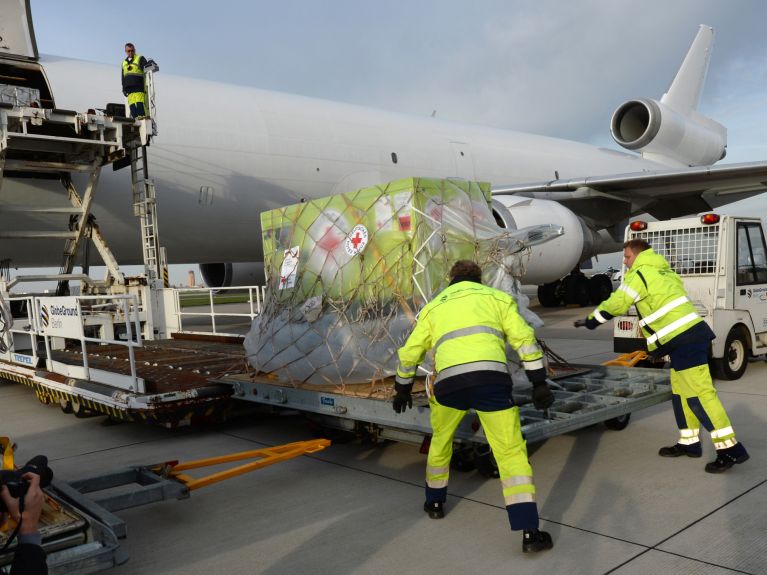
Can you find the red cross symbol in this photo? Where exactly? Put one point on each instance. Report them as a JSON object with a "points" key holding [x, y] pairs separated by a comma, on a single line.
{"points": [[356, 240]]}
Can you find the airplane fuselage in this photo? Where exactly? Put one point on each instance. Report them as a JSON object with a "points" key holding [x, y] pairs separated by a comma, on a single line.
{"points": [[226, 153]]}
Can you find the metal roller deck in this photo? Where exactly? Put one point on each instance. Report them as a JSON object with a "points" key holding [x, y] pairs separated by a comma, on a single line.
{"points": [[592, 394]]}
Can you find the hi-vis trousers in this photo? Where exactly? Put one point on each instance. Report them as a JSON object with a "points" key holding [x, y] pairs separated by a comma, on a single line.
{"points": [[502, 430], [695, 400]]}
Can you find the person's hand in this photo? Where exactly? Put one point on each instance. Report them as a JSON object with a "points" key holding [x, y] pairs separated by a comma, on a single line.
{"points": [[33, 504], [542, 395], [403, 399], [589, 323]]}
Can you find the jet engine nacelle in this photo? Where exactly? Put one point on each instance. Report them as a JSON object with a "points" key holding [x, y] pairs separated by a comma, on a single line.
{"points": [[665, 135], [232, 274], [556, 258]]}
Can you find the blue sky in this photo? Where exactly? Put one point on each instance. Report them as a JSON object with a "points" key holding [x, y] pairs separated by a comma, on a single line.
{"points": [[544, 66]]}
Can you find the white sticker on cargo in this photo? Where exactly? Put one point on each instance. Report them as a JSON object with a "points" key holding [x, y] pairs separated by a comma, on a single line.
{"points": [[289, 268], [356, 240]]}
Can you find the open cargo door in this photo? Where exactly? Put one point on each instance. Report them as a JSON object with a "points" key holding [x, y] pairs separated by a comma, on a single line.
{"points": [[17, 35]]}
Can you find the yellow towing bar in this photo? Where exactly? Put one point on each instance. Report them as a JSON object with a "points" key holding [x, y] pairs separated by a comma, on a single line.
{"points": [[267, 456]]}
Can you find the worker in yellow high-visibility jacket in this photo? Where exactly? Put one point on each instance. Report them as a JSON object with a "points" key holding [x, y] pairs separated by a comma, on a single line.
{"points": [[672, 327], [468, 325], [133, 81]]}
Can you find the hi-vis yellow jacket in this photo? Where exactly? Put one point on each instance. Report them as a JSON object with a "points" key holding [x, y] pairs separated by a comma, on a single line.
{"points": [[468, 325], [133, 74], [661, 301]]}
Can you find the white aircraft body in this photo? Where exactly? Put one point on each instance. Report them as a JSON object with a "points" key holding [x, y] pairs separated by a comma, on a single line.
{"points": [[226, 153]]}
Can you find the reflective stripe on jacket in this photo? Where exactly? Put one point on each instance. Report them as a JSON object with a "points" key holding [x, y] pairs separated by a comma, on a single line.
{"points": [[468, 325], [661, 301]]}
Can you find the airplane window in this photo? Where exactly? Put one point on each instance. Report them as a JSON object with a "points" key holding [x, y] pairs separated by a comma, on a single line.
{"points": [[394, 157]]}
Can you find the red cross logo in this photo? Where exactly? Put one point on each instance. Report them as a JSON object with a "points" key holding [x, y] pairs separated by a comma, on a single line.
{"points": [[356, 240]]}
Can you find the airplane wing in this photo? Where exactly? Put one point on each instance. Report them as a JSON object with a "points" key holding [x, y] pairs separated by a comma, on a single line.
{"points": [[663, 194]]}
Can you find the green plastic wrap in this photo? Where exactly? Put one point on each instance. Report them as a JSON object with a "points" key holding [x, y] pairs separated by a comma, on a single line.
{"points": [[347, 274]]}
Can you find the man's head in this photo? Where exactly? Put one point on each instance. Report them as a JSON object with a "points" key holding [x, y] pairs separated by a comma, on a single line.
{"points": [[467, 270], [632, 248], [130, 49]]}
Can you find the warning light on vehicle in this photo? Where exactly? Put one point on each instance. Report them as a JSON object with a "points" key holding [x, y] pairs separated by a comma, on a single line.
{"points": [[638, 226], [709, 219]]}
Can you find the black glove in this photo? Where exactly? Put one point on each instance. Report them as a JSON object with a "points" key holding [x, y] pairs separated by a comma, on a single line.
{"points": [[402, 399], [589, 322], [542, 396]]}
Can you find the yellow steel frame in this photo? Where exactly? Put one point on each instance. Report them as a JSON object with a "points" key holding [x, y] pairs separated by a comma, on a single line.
{"points": [[7, 448], [267, 456], [628, 359]]}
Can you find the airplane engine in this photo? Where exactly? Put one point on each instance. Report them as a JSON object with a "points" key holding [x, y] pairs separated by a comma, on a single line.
{"points": [[233, 274], [554, 259], [663, 134]]}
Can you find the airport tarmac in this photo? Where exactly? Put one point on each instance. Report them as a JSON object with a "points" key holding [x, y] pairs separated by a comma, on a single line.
{"points": [[610, 502]]}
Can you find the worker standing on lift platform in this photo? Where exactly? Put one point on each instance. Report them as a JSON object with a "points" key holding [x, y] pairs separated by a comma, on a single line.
{"points": [[468, 325], [133, 81]]}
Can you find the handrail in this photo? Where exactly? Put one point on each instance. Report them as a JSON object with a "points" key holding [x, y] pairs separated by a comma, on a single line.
{"points": [[255, 299]]}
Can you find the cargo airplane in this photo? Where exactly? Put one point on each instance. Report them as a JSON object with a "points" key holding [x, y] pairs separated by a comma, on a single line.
{"points": [[216, 172]]}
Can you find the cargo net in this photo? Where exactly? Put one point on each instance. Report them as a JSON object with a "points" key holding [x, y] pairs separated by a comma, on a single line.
{"points": [[347, 275], [689, 251]]}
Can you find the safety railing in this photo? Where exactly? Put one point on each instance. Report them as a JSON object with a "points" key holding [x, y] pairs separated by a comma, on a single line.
{"points": [[218, 311], [62, 318], [20, 346]]}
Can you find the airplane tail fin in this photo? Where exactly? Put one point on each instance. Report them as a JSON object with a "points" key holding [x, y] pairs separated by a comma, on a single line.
{"points": [[671, 131], [684, 93]]}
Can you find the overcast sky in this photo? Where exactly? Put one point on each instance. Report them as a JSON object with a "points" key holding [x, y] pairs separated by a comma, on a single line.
{"points": [[545, 66]]}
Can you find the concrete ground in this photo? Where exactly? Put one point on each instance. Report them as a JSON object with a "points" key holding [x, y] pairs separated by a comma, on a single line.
{"points": [[611, 504]]}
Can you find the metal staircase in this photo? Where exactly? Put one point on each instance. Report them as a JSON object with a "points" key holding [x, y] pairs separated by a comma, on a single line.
{"points": [[145, 208]]}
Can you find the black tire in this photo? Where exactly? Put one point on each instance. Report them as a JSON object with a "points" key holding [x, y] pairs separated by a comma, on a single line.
{"points": [[66, 406], [463, 459], [600, 288], [549, 295], [577, 290], [81, 411], [485, 462], [618, 423], [736, 351]]}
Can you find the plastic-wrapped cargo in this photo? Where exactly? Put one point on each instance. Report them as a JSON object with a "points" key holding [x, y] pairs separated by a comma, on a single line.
{"points": [[19, 95], [347, 274]]}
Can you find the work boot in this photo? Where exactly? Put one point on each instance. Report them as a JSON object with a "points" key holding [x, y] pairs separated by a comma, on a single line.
{"points": [[726, 458], [677, 450], [534, 540], [434, 509]]}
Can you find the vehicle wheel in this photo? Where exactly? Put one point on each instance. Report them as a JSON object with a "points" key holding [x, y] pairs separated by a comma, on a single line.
{"points": [[618, 423], [81, 411], [577, 290], [463, 459], [485, 462], [549, 294], [600, 288], [66, 405], [733, 364]]}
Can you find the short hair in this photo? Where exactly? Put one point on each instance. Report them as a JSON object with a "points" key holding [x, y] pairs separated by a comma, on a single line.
{"points": [[637, 245], [129, 45], [466, 268]]}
